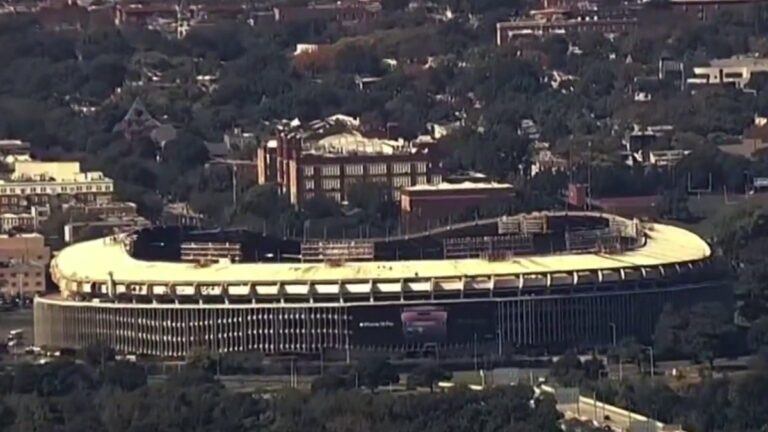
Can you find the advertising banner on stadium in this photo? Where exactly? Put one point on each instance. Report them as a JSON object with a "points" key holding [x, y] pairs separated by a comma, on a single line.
{"points": [[417, 324]]}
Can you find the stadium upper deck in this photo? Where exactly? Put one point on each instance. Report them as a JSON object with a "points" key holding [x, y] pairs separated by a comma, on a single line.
{"points": [[105, 267]]}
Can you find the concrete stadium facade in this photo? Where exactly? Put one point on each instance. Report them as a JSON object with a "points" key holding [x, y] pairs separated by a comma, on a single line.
{"points": [[557, 300]]}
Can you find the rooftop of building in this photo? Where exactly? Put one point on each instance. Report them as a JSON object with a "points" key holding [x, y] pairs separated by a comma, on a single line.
{"points": [[21, 235], [745, 61], [463, 186], [342, 135], [13, 143], [353, 142], [628, 201], [60, 171], [562, 19], [107, 259]]}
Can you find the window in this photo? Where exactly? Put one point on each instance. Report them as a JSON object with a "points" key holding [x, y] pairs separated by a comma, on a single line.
{"points": [[308, 171], [401, 181], [331, 184], [420, 180], [330, 170], [309, 184], [377, 168], [354, 169], [32, 190], [401, 168], [421, 167]]}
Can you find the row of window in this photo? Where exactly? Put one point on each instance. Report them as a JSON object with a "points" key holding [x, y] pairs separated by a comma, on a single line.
{"points": [[55, 189], [12, 284], [379, 168], [328, 184]]}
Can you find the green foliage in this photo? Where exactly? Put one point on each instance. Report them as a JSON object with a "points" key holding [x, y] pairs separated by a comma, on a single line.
{"points": [[374, 371], [427, 375], [97, 354], [330, 382], [126, 376], [569, 371], [193, 401], [701, 333]]}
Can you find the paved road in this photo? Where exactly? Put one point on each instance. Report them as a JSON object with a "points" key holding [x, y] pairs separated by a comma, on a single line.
{"points": [[17, 319]]}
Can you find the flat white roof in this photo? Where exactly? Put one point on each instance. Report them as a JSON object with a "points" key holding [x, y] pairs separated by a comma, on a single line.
{"points": [[467, 185], [93, 261]]}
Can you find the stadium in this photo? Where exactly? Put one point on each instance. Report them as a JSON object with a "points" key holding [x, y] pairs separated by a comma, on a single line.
{"points": [[540, 280]]}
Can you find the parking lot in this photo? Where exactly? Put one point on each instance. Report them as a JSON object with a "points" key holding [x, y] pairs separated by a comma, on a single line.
{"points": [[17, 319]]}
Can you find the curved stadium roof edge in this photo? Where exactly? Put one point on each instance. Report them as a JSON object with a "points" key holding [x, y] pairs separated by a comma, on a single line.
{"points": [[102, 259]]}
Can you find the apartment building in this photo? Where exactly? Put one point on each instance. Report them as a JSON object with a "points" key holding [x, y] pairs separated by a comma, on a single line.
{"points": [[541, 24], [347, 12], [24, 222], [736, 71], [23, 262], [328, 159], [707, 10], [100, 211], [39, 184], [423, 205]]}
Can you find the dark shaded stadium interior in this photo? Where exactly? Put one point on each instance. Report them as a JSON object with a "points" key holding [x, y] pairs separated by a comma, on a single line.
{"points": [[164, 243]]}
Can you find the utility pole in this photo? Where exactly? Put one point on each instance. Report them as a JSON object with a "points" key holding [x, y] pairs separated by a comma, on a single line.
{"points": [[474, 349], [589, 176], [653, 374]]}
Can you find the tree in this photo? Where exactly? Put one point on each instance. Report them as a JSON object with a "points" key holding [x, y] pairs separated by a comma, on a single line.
{"points": [[427, 375], [593, 368], [98, 354], [702, 333], [630, 349], [757, 337], [7, 416], [374, 371], [202, 359], [709, 325], [394, 5], [126, 376], [330, 382], [567, 369], [355, 58], [668, 337]]}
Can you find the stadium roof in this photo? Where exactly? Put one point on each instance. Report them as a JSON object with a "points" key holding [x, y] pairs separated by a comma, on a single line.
{"points": [[94, 261]]}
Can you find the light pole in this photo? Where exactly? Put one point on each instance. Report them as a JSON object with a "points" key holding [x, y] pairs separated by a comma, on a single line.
{"points": [[621, 365], [613, 332], [650, 352]]}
